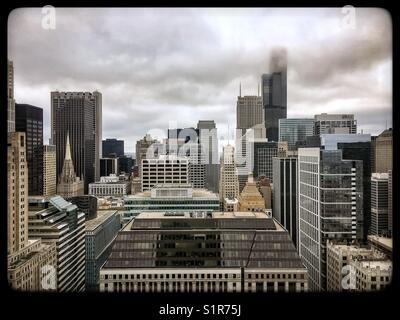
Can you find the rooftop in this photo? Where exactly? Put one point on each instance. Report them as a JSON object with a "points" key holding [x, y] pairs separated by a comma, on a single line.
{"points": [[102, 216]]}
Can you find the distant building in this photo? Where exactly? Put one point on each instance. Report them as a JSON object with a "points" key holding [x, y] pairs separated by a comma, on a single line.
{"points": [[49, 171], [78, 115], [109, 166], [266, 191], [294, 130], [10, 97], [110, 186], [264, 152], [384, 151], [177, 253], [355, 268], [142, 147], [164, 170], [29, 119], [69, 185], [60, 222], [125, 164], [250, 198], [285, 208], [100, 234], [379, 204], [274, 94], [334, 123], [249, 112], [228, 180], [113, 148], [209, 147]]}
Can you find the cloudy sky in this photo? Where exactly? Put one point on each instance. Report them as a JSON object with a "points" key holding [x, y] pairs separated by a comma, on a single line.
{"points": [[154, 66]]}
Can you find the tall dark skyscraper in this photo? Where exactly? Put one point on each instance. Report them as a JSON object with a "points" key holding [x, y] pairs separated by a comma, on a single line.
{"points": [[79, 115], [29, 119], [274, 94], [113, 148]]}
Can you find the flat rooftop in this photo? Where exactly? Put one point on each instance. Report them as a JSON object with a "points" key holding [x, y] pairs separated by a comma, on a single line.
{"points": [[384, 242], [102, 216]]}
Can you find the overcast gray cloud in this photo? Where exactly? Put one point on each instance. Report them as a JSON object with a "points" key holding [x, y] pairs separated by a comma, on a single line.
{"points": [[159, 65]]}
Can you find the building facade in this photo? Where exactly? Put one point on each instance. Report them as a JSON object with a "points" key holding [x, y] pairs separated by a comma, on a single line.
{"points": [[109, 166], [209, 147], [29, 119], [60, 222], [49, 171], [17, 192], [379, 204], [264, 152], [100, 233], [384, 151], [294, 130], [10, 97], [334, 123], [351, 267], [110, 186], [171, 197], [228, 180], [113, 148], [79, 115], [329, 206], [285, 202], [165, 169], [188, 253]]}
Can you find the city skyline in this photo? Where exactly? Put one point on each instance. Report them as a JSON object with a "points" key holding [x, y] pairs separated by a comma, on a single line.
{"points": [[193, 65]]}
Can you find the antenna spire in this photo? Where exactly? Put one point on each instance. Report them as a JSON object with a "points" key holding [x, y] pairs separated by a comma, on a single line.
{"points": [[240, 89]]}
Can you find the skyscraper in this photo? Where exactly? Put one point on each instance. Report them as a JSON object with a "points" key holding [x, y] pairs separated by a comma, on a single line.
{"points": [[69, 185], [49, 170], [249, 112], [390, 203], [274, 94], [10, 97], [17, 193], [285, 194], [294, 130], [79, 114], [113, 147], [264, 152], [329, 206], [379, 204], [334, 123], [29, 119], [209, 147], [355, 147], [142, 147], [228, 180], [384, 151], [27, 258]]}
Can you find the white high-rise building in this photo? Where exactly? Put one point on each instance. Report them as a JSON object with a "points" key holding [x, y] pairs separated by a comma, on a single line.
{"points": [[228, 181], [163, 170]]}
